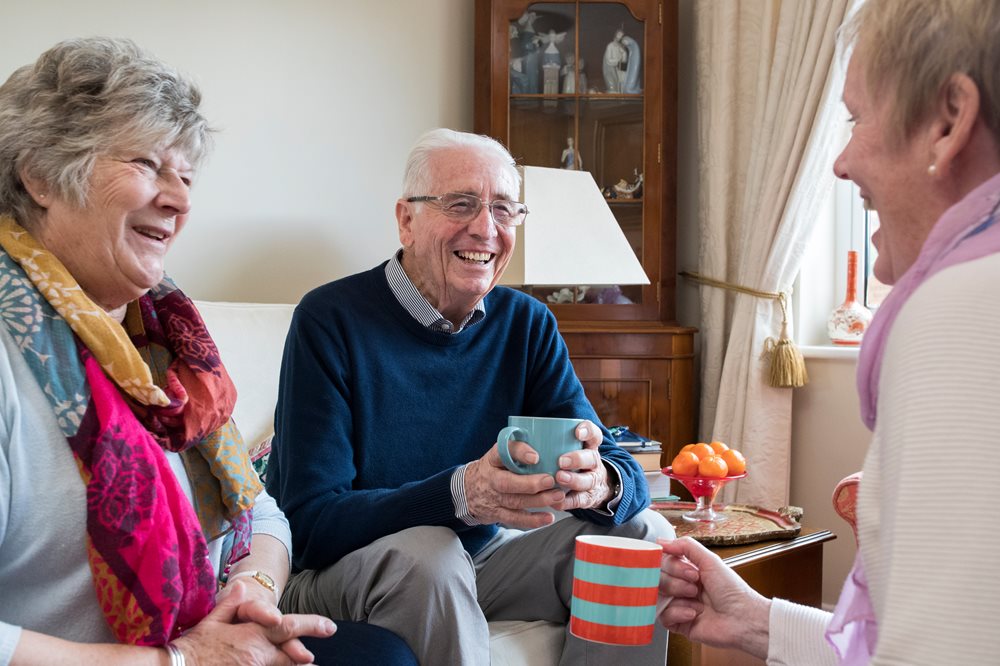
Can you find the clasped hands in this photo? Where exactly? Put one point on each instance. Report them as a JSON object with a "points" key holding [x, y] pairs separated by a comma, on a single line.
{"points": [[246, 627], [496, 495]]}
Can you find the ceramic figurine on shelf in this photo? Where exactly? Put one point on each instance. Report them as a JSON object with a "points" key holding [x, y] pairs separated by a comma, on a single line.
{"points": [[626, 190], [615, 59], [518, 79], [551, 61], [572, 72], [570, 158], [847, 323], [551, 54], [568, 295], [530, 50], [633, 75]]}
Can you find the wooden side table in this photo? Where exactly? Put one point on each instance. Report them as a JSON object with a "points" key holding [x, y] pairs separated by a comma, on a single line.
{"points": [[789, 568]]}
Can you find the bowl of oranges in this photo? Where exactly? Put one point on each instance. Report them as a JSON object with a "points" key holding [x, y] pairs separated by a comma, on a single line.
{"points": [[703, 469]]}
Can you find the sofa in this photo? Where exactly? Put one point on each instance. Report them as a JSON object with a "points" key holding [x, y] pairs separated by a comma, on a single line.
{"points": [[250, 338]]}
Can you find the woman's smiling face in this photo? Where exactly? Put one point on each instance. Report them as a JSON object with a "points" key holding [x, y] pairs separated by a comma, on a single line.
{"points": [[892, 178], [115, 245]]}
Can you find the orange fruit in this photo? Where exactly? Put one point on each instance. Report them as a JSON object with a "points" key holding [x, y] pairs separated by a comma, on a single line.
{"points": [[687, 447], [685, 463], [735, 460], [713, 467], [718, 447], [702, 450]]}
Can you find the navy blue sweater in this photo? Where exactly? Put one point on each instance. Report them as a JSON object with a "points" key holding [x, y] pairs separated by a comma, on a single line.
{"points": [[375, 412]]}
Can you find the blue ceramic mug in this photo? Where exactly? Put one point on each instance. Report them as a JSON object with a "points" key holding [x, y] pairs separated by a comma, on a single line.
{"points": [[549, 437]]}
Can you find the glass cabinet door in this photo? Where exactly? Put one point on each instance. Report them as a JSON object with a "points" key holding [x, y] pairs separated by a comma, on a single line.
{"points": [[578, 85]]}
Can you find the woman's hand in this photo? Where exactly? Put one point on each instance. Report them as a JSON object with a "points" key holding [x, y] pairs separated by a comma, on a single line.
{"points": [[245, 629], [258, 600], [711, 604]]}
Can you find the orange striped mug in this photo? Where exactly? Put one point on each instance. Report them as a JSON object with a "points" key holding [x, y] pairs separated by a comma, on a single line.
{"points": [[615, 581]]}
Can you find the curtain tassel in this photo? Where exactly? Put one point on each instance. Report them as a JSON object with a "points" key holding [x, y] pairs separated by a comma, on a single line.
{"points": [[788, 368]]}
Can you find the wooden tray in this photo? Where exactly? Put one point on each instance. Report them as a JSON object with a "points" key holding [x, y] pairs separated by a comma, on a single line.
{"points": [[744, 524]]}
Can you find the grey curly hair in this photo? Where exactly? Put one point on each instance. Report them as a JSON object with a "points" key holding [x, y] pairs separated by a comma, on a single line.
{"points": [[88, 97]]}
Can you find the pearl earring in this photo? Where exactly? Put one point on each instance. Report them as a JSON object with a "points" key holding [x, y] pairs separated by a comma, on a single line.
{"points": [[931, 170]]}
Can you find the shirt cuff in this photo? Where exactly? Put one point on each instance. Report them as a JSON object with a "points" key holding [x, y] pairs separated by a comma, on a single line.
{"points": [[613, 471], [458, 497], [9, 636]]}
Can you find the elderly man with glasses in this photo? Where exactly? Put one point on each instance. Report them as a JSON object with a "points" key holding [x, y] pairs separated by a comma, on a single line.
{"points": [[394, 384]]}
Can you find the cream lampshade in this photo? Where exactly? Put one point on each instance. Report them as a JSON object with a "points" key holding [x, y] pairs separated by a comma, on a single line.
{"points": [[570, 236]]}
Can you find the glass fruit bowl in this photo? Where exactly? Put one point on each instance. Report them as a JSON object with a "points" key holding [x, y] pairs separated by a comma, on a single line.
{"points": [[703, 489]]}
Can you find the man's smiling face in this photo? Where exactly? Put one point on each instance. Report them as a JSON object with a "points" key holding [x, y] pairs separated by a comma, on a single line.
{"points": [[454, 264]]}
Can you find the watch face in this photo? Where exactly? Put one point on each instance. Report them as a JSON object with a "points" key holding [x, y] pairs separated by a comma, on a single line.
{"points": [[264, 580]]}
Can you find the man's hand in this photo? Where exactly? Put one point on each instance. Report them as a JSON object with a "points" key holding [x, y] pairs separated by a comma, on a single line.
{"points": [[583, 474], [496, 495]]}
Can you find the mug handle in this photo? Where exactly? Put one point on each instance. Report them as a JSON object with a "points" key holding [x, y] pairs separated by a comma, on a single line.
{"points": [[503, 444]]}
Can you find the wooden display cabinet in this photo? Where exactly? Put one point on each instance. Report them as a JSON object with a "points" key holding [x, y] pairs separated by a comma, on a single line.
{"points": [[592, 85]]}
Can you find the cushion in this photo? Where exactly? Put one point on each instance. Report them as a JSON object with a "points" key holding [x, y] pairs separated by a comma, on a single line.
{"points": [[519, 643], [845, 500], [251, 339]]}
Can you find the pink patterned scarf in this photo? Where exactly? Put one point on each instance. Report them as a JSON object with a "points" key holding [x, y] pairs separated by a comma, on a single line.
{"points": [[122, 396], [967, 231]]}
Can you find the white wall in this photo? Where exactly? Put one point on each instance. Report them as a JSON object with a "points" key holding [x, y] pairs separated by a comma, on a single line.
{"points": [[829, 442], [318, 102]]}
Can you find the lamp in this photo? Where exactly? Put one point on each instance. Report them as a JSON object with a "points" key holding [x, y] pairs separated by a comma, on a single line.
{"points": [[570, 237]]}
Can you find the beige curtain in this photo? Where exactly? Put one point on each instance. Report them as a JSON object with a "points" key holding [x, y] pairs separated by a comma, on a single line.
{"points": [[763, 74]]}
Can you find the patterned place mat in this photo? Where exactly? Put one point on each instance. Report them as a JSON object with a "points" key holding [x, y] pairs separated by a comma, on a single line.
{"points": [[744, 523]]}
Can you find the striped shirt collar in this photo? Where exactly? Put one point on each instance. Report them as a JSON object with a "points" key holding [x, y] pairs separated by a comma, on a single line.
{"points": [[418, 307]]}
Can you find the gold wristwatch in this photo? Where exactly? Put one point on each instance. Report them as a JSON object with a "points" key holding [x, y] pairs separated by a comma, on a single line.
{"points": [[259, 576]]}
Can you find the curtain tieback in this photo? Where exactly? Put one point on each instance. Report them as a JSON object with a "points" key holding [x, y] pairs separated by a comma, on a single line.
{"points": [[787, 367]]}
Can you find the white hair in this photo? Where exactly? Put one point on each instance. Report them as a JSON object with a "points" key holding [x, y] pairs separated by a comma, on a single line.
{"points": [[417, 176]]}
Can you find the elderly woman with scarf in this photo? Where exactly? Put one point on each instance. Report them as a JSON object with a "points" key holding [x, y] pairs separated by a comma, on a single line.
{"points": [[923, 93], [125, 487]]}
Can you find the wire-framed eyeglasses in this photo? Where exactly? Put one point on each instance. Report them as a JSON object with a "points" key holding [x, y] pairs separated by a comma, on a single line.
{"points": [[463, 208]]}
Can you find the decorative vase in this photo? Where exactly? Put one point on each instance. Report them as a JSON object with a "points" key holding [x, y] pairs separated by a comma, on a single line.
{"points": [[847, 324]]}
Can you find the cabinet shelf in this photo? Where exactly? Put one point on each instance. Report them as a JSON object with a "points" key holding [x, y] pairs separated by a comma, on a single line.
{"points": [[575, 96]]}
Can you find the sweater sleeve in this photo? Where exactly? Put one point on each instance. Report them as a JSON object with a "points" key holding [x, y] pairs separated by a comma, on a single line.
{"points": [[268, 519], [554, 390], [798, 636], [9, 634], [313, 422]]}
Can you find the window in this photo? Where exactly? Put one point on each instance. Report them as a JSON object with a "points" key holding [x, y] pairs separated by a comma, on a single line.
{"points": [[821, 285], [872, 290]]}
